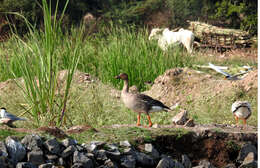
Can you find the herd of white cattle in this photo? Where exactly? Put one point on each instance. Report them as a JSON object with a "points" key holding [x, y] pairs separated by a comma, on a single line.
{"points": [[167, 38]]}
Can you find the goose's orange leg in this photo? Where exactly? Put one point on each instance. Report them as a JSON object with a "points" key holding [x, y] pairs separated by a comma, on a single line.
{"points": [[150, 122], [138, 119], [236, 120], [244, 122]]}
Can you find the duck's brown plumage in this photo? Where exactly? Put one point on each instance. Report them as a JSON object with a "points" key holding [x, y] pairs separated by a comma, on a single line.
{"points": [[139, 103]]}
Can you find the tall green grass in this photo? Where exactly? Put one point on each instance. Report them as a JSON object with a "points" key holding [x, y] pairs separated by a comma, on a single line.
{"points": [[38, 61]]}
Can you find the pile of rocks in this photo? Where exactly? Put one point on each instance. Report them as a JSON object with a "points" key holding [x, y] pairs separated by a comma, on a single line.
{"points": [[34, 151]]}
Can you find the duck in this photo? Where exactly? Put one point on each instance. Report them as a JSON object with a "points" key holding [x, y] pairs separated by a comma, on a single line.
{"points": [[8, 118], [139, 103], [241, 110]]}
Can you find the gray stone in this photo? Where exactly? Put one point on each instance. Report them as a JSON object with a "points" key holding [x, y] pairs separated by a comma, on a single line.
{"points": [[53, 146], [3, 150], [77, 165], [46, 165], [68, 151], [128, 161], [112, 147], [128, 151], [25, 165], [115, 155], [206, 164], [231, 165], [90, 155], [100, 155], [15, 149], [80, 148], [51, 157], [249, 161], [32, 142], [125, 143], [252, 164], [68, 142], [144, 160], [186, 161], [180, 118], [79, 157], [110, 164], [189, 123], [150, 149], [36, 157], [245, 150], [4, 162], [166, 162], [94, 145], [90, 147], [61, 162]]}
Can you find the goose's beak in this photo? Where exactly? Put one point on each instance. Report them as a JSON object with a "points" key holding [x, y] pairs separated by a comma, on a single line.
{"points": [[117, 77]]}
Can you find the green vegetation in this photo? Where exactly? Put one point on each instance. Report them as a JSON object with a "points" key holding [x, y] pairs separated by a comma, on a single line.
{"points": [[45, 99]]}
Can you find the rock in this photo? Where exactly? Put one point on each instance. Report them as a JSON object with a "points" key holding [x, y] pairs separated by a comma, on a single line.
{"points": [[47, 165], [115, 155], [51, 157], [94, 145], [100, 155], [252, 164], [68, 151], [77, 165], [186, 161], [166, 162], [245, 150], [156, 126], [3, 150], [189, 123], [32, 142], [144, 160], [68, 142], [53, 146], [112, 147], [79, 157], [128, 161], [61, 162], [150, 149], [180, 118], [249, 161], [205, 164], [231, 165], [25, 165], [16, 150], [36, 157], [80, 148], [125, 144], [110, 164], [128, 151], [4, 162]]}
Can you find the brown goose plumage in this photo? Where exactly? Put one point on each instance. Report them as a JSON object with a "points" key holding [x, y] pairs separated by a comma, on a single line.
{"points": [[139, 103]]}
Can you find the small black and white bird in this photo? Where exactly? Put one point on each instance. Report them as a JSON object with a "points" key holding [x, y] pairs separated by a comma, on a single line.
{"points": [[241, 110], [8, 118]]}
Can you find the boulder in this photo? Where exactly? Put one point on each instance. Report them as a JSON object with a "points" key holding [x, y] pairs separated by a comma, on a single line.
{"points": [[16, 150], [180, 118], [32, 142], [151, 150], [53, 146], [36, 157], [128, 161]]}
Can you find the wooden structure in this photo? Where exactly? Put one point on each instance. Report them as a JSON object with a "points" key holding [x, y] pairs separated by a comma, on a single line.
{"points": [[219, 38]]}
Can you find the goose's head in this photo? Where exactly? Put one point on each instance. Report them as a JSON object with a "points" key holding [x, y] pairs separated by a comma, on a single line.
{"points": [[122, 76]]}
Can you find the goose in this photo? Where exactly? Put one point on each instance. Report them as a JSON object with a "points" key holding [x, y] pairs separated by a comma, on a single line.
{"points": [[8, 118], [241, 110], [139, 103]]}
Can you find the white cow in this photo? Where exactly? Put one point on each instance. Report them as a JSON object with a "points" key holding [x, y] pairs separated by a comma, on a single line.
{"points": [[168, 38]]}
